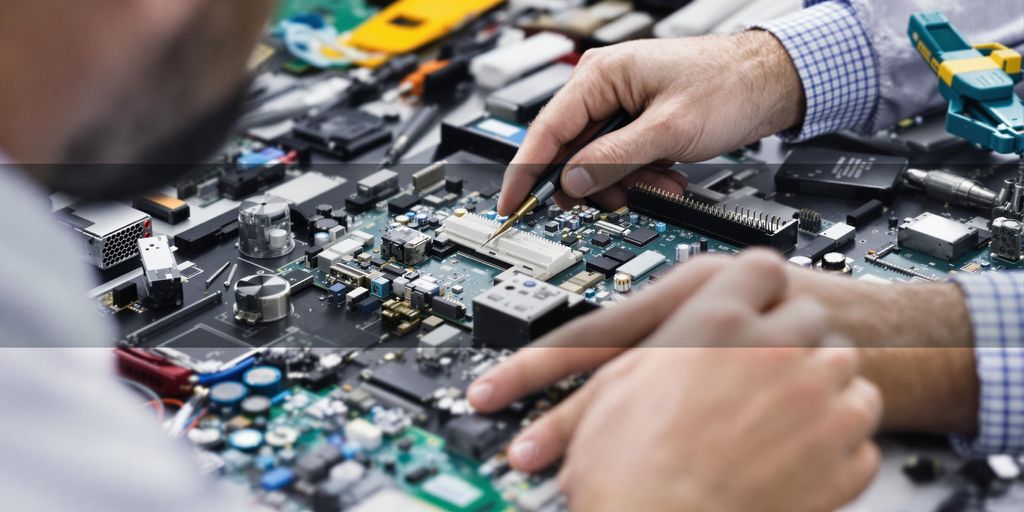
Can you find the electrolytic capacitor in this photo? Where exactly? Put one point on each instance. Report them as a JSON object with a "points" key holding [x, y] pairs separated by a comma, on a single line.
{"points": [[703, 245], [324, 210], [622, 282]]}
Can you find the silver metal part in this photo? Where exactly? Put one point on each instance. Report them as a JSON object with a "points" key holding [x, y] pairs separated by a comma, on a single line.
{"points": [[1007, 239], [841, 232], [439, 342], [160, 272], [642, 264], [611, 229], [429, 177], [265, 227], [938, 237], [377, 184], [948, 187], [262, 298], [108, 232]]}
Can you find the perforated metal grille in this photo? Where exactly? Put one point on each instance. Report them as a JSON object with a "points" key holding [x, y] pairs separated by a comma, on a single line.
{"points": [[122, 245]]}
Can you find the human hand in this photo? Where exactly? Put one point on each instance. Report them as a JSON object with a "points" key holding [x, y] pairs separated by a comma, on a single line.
{"points": [[694, 98]]}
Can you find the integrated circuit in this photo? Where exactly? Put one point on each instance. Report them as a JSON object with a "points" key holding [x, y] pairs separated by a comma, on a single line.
{"points": [[640, 236]]}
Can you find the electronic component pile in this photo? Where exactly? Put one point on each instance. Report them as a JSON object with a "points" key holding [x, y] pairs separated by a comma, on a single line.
{"points": [[318, 318]]}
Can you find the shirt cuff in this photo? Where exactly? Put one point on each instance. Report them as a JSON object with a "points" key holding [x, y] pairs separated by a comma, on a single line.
{"points": [[836, 64], [995, 302]]}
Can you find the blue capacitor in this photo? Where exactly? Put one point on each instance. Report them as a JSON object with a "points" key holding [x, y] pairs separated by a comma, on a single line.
{"points": [[574, 223], [590, 293], [225, 397], [660, 227], [277, 479], [263, 380], [246, 439], [490, 214], [634, 218], [421, 218]]}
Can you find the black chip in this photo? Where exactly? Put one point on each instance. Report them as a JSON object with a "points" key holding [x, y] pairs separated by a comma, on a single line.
{"points": [[312, 253], [453, 184], [490, 190], [441, 250], [603, 265], [358, 203], [378, 262], [614, 217], [403, 203], [816, 248], [474, 436], [641, 236], [551, 227], [393, 269], [569, 240], [418, 475], [601, 240], [619, 254], [124, 294]]}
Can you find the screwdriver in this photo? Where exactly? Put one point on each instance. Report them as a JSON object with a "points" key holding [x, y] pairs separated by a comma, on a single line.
{"points": [[550, 181]]}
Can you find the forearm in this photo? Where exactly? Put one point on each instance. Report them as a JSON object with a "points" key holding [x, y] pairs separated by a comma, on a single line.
{"points": [[917, 346]]}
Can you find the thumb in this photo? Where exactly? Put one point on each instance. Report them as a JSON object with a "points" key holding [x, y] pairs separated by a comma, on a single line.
{"points": [[612, 157]]}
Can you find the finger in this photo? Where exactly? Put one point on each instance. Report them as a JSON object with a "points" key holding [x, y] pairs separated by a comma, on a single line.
{"points": [[584, 100], [833, 365], [860, 411], [612, 157], [546, 440], [754, 281], [797, 322], [607, 333]]}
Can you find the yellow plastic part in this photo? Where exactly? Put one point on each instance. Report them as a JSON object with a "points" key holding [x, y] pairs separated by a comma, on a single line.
{"points": [[408, 25], [1004, 57], [951, 68]]}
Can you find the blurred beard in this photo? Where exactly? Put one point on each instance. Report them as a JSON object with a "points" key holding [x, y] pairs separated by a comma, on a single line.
{"points": [[161, 163]]}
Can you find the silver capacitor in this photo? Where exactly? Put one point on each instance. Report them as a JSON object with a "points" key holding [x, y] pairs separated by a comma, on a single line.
{"points": [[265, 227], [622, 282], [262, 298], [686, 252]]}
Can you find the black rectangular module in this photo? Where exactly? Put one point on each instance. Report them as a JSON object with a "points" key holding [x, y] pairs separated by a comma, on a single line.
{"points": [[124, 294], [489, 191], [208, 234], [619, 254], [640, 236], [750, 228], [168, 209], [601, 240], [864, 213], [393, 270], [403, 203], [841, 174], [240, 182], [448, 308], [816, 248], [603, 265], [359, 204], [344, 132]]}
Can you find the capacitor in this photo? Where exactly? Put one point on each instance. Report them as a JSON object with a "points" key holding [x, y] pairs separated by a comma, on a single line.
{"points": [[246, 440], [683, 253], [554, 211], [588, 217], [255, 405], [834, 262], [622, 282], [894, 222], [258, 218], [324, 210], [208, 438], [421, 218], [321, 238], [225, 397], [263, 380], [660, 227], [402, 220], [262, 298], [500, 219], [340, 215], [574, 222], [411, 214], [325, 225], [804, 261], [703, 245], [634, 218]]}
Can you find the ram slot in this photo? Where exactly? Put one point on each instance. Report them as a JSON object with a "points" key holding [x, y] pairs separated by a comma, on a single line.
{"points": [[533, 255], [743, 227]]}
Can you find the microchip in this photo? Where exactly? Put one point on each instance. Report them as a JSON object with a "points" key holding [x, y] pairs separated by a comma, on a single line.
{"points": [[551, 227], [603, 265], [474, 436], [618, 254], [601, 240], [403, 203], [641, 236]]}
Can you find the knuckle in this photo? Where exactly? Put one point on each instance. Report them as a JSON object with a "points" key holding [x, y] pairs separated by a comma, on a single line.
{"points": [[607, 151], [840, 360], [764, 264], [725, 318]]}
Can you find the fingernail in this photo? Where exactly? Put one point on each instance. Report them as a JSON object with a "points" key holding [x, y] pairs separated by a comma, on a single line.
{"points": [[578, 182], [480, 393], [523, 453]]}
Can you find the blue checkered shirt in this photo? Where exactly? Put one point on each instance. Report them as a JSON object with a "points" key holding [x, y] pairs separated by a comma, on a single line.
{"points": [[840, 49], [996, 305]]}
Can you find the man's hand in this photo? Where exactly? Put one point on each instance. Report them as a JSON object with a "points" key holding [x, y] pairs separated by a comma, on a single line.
{"points": [[694, 98], [681, 423]]}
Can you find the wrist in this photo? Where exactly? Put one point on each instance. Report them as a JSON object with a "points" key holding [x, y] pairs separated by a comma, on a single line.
{"points": [[773, 82]]}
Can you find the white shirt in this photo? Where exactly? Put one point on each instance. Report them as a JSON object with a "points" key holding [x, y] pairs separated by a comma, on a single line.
{"points": [[71, 436]]}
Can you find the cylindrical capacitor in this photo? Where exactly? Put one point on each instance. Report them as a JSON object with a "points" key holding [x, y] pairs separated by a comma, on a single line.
{"points": [[321, 239], [324, 210], [683, 253], [262, 298], [324, 225], [660, 227], [258, 218], [225, 397], [834, 262], [279, 238], [703, 245], [340, 215], [622, 282], [263, 380], [256, 405], [634, 218]]}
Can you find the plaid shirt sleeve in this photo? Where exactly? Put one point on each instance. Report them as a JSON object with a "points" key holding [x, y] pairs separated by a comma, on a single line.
{"points": [[995, 302], [836, 64]]}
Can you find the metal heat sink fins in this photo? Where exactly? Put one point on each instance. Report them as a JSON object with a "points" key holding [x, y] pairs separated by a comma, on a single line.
{"points": [[743, 227], [530, 254]]}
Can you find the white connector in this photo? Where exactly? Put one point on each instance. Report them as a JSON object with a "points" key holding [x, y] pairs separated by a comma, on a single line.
{"points": [[535, 256]]}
